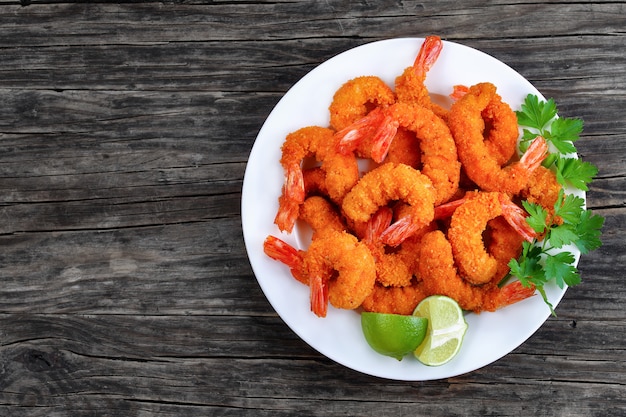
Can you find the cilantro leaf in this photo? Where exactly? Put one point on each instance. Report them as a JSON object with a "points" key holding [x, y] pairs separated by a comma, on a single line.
{"points": [[566, 130], [537, 216], [569, 207], [563, 146], [560, 267], [562, 235], [528, 269], [536, 114], [575, 172], [588, 231]]}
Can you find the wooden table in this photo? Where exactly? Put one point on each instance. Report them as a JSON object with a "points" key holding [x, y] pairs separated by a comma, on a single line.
{"points": [[124, 134]]}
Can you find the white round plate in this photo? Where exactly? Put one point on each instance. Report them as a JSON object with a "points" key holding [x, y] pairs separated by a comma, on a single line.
{"points": [[338, 336]]}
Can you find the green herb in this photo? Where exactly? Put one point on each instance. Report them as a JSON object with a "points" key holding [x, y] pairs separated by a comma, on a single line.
{"points": [[545, 260], [540, 118], [540, 261]]}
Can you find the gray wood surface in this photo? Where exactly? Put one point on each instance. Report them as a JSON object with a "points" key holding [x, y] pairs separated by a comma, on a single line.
{"points": [[124, 135]]}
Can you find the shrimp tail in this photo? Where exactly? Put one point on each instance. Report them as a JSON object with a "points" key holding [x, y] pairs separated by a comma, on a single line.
{"points": [[444, 211], [294, 184], [535, 154], [319, 295], [287, 214], [377, 224], [458, 91], [512, 293], [427, 56], [382, 139], [399, 231], [516, 217], [349, 138], [281, 251]]}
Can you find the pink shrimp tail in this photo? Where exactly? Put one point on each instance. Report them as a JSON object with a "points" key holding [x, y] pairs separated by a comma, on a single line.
{"points": [[294, 184], [399, 231], [377, 224], [458, 91], [281, 251], [535, 154], [444, 211], [513, 293], [428, 54], [349, 138], [288, 211], [319, 296], [383, 138], [516, 217]]}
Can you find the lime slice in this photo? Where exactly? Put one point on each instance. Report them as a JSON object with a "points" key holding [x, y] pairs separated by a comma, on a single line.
{"points": [[446, 328], [393, 335]]}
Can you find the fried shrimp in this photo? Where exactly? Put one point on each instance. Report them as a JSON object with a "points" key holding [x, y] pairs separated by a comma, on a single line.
{"points": [[404, 149], [439, 276], [467, 226], [340, 171], [392, 270], [336, 266], [390, 182], [356, 98], [504, 244], [438, 151], [341, 270], [410, 87], [355, 112], [321, 215], [394, 300], [467, 127], [501, 129]]}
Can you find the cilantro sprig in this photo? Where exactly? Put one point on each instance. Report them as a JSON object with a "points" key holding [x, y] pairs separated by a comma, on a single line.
{"points": [[540, 118], [546, 259]]}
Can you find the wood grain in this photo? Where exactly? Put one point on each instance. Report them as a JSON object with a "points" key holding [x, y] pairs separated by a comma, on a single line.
{"points": [[124, 134]]}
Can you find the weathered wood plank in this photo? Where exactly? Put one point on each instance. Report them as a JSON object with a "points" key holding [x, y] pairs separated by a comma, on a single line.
{"points": [[67, 361]]}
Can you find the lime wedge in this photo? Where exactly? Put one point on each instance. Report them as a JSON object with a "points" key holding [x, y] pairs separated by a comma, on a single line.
{"points": [[446, 328], [393, 335]]}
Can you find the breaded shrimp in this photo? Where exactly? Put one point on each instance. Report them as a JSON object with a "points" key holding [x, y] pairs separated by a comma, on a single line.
{"points": [[336, 266], [439, 156], [356, 98], [394, 300], [467, 226], [501, 130], [340, 171], [467, 126], [341, 270], [410, 87], [439, 276], [321, 215], [504, 244], [387, 183]]}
